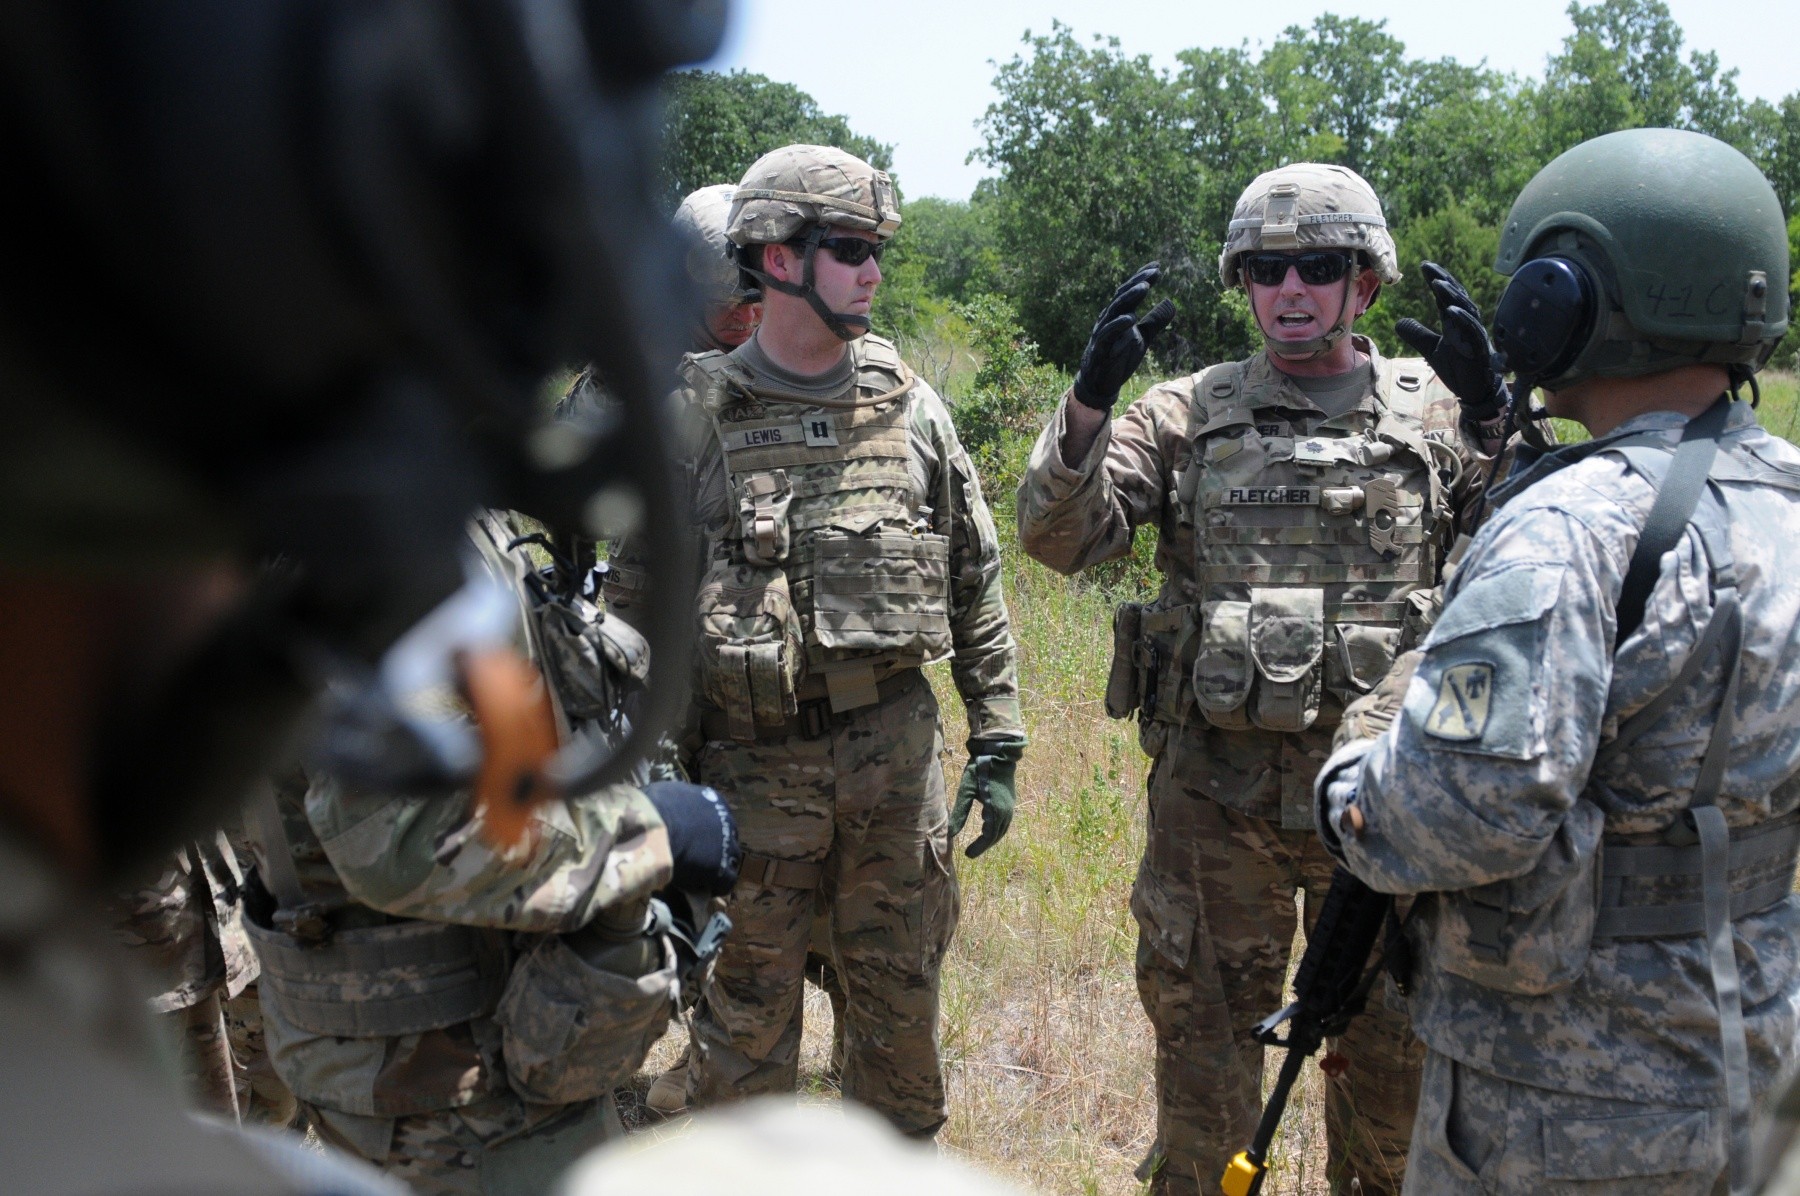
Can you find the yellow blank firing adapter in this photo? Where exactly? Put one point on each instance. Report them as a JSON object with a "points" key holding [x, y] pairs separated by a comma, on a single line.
{"points": [[1242, 1177]]}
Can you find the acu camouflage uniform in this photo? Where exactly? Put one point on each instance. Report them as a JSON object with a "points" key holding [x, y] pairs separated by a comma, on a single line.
{"points": [[1298, 555], [848, 544], [463, 1017], [1575, 1042]]}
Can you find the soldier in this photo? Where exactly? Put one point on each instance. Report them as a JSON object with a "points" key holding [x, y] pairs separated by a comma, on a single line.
{"points": [[455, 1014], [847, 544], [1594, 774], [1304, 501], [729, 309], [262, 337]]}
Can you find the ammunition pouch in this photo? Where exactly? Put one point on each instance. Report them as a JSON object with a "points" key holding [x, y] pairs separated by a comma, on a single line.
{"points": [[382, 981], [750, 649], [573, 1028]]}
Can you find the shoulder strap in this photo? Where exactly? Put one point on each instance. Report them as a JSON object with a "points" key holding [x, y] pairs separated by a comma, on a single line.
{"points": [[278, 851], [1670, 513]]}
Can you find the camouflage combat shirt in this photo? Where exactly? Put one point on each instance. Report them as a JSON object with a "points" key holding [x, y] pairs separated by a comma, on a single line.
{"points": [[1489, 769], [1074, 516]]}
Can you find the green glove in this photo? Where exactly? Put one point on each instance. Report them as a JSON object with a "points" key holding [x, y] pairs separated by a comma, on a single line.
{"points": [[987, 778]]}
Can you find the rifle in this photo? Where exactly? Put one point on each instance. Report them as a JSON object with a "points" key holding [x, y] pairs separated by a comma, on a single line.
{"points": [[1330, 989]]}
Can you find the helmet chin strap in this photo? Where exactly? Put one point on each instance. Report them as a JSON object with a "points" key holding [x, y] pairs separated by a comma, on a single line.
{"points": [[844, 325], [1317, 346]]}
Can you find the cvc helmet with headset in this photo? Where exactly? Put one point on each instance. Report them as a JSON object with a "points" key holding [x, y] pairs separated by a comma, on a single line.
{"points": [[1638, 252]]}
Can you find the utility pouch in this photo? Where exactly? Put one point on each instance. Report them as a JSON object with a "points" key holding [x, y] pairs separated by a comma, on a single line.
{"points": [[592, 660], [1287, 641], [572, 1030], [1123, 692], [1531, 934], [1222, 668], [763, 502], [885, 592], [1357, 657], [750, 651]]}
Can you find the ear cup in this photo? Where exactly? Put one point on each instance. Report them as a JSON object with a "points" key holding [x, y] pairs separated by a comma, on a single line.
{"points": [[1545, 317]]}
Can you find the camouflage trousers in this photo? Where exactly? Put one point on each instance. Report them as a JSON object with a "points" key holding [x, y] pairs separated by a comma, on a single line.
{"points": [[1479, 1133], [1215, 905], [864, 803], [496, 1146]]}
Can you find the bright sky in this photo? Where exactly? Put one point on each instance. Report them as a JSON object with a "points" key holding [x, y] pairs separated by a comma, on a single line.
{"points": [[916, 73]]}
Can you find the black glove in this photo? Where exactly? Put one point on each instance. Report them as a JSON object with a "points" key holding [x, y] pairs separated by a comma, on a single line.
{"points": [[1462, 356], [1119, 341], [703, 836]]}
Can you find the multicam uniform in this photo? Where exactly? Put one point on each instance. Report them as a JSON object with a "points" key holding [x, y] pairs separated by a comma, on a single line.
{"points": [[1298, 553], [458, 1016], [1563, 983], [187, 923], [849, 544]]}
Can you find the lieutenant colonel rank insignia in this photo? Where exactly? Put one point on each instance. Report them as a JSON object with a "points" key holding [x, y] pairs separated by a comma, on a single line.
{"points": [[1461, 712]]}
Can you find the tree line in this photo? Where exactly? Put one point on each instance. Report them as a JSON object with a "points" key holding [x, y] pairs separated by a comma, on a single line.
{"points": [[1103, 160]]}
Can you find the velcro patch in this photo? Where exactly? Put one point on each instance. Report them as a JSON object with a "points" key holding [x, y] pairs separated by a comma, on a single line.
{"points": [[1463, 702]]}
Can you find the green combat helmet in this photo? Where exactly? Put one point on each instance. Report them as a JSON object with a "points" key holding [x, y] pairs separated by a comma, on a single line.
{"points": [[701, 219], [796, 195], [1311, 205], [1640, 251]]}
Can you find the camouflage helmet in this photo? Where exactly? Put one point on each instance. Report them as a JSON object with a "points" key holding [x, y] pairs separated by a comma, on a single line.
{"points": [[1640, 251], [796, 195], [787, 191], [1309, 205], [701, 221]]}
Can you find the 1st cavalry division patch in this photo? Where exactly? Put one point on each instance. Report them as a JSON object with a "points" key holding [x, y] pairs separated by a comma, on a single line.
{"points": [[1461, 712]]}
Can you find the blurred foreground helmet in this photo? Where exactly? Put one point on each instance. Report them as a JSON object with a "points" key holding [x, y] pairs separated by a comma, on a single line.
{"points": [[311, 264], [1638, 252], [797, 195], [1311, 205], [775, 1147], [702, 218]]}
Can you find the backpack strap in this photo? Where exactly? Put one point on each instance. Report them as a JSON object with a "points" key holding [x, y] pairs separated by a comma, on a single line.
{"points": [[1675, 501]]}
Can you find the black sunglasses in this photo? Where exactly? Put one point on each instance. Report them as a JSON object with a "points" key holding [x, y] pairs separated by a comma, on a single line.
{"points": [[1316, 269], [853, 251]]}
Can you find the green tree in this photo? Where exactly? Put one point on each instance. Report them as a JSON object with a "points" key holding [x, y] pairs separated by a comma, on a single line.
{"points": [[954, 241], [716, 125], [1095, 155]]}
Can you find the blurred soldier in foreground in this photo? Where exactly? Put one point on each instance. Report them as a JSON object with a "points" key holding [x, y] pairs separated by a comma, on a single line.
{"points": [[1305, 500], [1594, 774], [310, 333], [459, 1014], [847, 544]]}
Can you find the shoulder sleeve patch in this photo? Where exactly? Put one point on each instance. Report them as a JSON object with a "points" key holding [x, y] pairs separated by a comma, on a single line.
{"points": [[1461, 711], [1481, 686]]}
